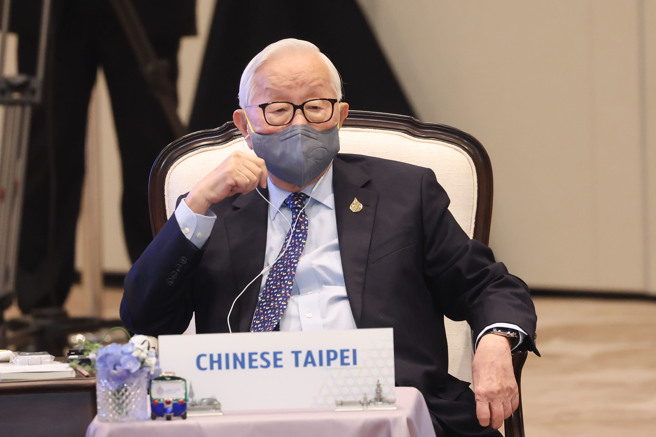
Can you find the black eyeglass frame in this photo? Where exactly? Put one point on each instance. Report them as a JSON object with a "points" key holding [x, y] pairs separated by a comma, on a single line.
{"points": [[296, 107]]}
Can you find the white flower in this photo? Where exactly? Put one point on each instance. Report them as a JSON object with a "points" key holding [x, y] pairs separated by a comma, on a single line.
{"points": [[141, 342], [150, 362], [140, 354]]}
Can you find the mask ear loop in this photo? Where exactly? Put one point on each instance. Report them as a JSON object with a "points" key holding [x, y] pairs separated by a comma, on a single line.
{"points": [[339, 115], [250, 126], [248, 121], [282, 252]]}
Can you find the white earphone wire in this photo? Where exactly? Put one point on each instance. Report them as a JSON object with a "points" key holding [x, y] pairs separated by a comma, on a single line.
{"points": [[282, 252]]}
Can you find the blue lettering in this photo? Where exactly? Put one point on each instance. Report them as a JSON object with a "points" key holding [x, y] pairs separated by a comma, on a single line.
{"points": [[264, 357], [247, 360], [252, 360], [355, 357], [296, 354], [309, 359], [343, 357], [215, 359], [238, 360], [277, 359], [331, 355], [320, 358], [198, 358]]}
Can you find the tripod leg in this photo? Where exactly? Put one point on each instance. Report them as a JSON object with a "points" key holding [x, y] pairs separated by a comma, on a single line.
{"points": [[152, 68], [14, 149]]}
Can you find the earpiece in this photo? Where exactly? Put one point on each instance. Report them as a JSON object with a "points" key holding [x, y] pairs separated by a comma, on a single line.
{"points": [[282, 252]]}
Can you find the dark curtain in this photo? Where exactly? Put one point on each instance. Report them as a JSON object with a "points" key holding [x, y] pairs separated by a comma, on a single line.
{"points": [[242, 28]]}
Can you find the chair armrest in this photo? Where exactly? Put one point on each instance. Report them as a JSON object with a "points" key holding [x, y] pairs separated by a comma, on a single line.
{"points": [[514, 425]]}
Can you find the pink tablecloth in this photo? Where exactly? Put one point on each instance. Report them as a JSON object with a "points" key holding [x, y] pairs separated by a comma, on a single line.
{"points": [[410, 419]]}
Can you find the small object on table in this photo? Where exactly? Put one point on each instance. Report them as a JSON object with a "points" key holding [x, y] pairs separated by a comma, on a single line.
{"points": [[168, 397], [6, 355], [32, 358]]}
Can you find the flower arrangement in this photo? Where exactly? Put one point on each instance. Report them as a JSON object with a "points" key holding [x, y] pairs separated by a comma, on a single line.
{"points": [[123, 373], [119, 360], [121, 364]]}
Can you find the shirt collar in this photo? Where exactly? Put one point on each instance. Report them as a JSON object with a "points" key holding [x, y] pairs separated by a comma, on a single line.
{"points": [[323, 193]]}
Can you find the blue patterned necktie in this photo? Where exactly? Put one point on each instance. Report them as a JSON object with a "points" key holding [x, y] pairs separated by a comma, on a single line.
{"points": [[278, 287]]}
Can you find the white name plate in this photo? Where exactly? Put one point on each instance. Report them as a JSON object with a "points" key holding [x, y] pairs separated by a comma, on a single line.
{"points": [[283, 370]]}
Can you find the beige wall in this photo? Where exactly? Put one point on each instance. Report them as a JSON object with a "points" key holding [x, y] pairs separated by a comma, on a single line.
{"points": [[649, 161], [562, 94]]}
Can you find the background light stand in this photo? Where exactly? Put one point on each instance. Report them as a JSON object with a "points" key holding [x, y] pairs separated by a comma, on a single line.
{"points": [[49, 329], [18, 95]]}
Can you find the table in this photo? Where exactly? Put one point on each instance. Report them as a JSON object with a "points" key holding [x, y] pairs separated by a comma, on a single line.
{"points": [[57, 407], [410, 419]]}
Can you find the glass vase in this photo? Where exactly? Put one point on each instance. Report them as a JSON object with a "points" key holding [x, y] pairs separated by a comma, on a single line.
{"points": [[124, 400]]}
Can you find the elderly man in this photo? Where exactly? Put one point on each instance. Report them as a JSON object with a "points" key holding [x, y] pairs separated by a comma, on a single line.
{"points": [[401, 261]]}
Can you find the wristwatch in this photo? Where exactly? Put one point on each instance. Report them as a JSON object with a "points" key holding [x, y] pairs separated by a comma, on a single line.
{"points": [[511, 334]]}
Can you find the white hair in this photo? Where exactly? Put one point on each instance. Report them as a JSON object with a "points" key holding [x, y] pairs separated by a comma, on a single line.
{"points": [[289, 45]]}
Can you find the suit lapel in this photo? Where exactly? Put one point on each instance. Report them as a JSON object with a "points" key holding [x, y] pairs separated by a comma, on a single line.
{"points": [[246, 228], [354, 229]]}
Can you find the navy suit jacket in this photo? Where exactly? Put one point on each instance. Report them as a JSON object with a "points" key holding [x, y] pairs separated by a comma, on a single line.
{"points": [[406, 263]]}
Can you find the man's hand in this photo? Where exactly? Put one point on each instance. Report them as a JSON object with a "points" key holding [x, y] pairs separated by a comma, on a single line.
{"points": [[239, 173], [495, 388]]}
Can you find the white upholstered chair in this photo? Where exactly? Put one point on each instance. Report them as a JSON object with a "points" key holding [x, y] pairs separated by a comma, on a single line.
{"points": [[459, 161]]}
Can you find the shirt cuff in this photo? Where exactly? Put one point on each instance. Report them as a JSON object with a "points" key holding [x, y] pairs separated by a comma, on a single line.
{"points": [[195, 227], [522, 333]]}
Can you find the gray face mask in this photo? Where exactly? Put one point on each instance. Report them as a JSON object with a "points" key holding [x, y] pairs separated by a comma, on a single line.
{"points": [[297, 154]]}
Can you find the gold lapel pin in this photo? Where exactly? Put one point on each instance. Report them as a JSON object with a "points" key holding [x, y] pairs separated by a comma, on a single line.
{"points": [[356, 206]]}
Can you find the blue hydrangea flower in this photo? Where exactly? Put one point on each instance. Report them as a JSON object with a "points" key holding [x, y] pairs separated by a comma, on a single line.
{"points": [[122, 364]]}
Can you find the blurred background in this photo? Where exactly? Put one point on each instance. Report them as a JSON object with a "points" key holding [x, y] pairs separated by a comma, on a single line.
{"points": [[563, 96], [561, 93]]}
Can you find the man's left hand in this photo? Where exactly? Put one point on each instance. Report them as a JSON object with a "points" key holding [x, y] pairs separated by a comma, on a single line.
{"points": [[495, 388]]}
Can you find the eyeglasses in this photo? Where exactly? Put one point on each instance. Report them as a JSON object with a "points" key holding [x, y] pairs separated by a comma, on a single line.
{"points": [[282, 113]]}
